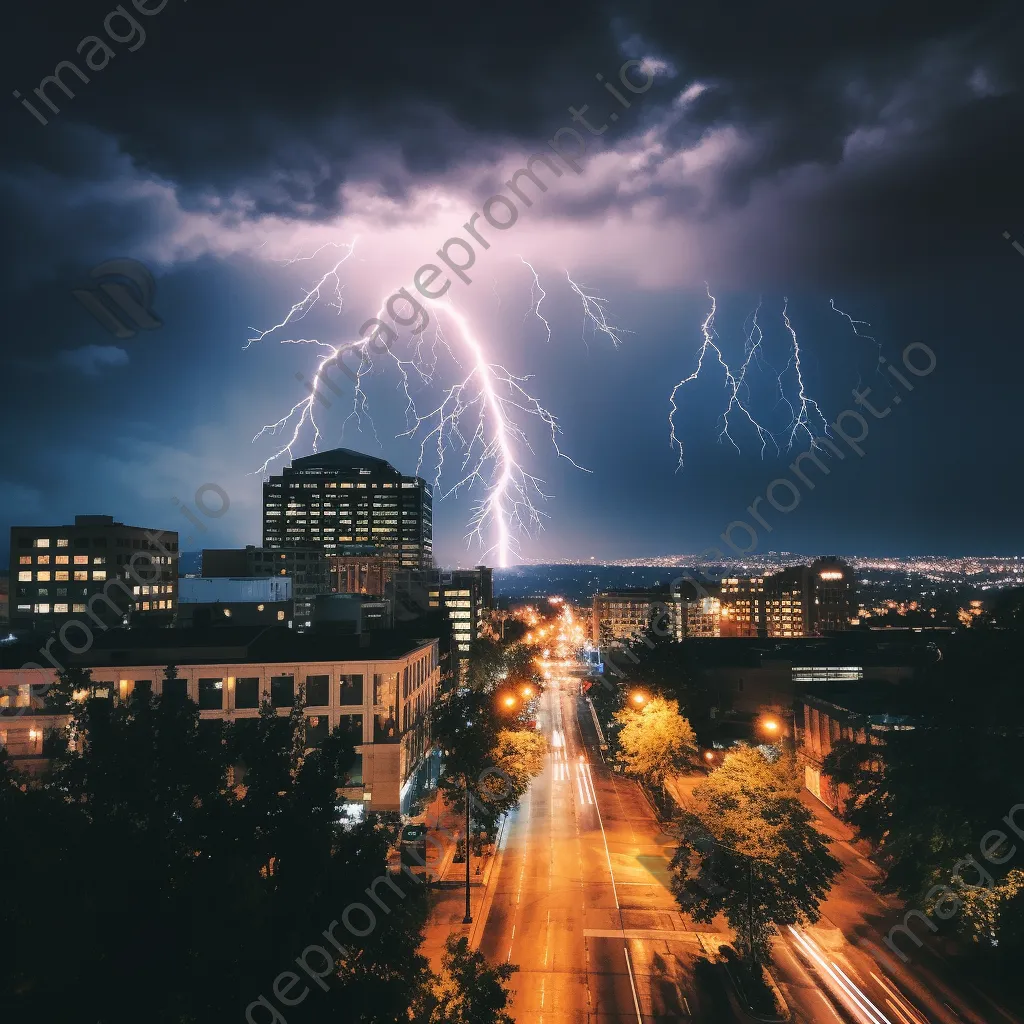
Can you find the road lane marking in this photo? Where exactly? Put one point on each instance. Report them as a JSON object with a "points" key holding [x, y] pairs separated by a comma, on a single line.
{"points": [[666, 934], [615, 892]]}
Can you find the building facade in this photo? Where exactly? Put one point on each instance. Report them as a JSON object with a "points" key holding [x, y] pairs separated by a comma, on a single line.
{"points": [[742, 606], [381, 691], [463, 595], [109, 572], [787, 602], [340, 501], [359, 573], [307, 567], [864, 716], [835, 595], [234, 601], [618, 615]]}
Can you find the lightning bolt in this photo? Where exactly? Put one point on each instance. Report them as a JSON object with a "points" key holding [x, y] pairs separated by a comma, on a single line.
{"points": [[479, 418], [868, 337], [803, 419], [595, 314], [312, 296], [734, 384], [537, 296]]}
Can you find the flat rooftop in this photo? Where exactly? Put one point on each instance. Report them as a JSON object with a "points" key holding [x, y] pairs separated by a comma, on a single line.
{"points": [[227, 645]]}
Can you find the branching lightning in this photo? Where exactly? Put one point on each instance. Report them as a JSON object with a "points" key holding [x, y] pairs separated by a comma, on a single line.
{"points": [[854, 324], [805, 415], [478, 424], [311, 297], [595, 314]]}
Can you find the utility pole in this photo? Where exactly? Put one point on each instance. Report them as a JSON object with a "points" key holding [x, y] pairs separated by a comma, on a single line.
{"points": [[750, 903], [468, 919]]}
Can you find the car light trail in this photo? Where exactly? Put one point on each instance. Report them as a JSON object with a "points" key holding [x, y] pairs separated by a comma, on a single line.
{"points": [[852, 998]]}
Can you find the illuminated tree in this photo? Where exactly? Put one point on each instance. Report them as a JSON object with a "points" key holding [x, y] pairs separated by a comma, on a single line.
{"points": [[468, 990], [655, 741], [749, 849]]}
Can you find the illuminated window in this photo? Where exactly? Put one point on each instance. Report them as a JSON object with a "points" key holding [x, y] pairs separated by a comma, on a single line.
{"points": [[81, 575], [43, 560], [60, 609], [43, 576], [61, 575], [78, 607], [25, 560], [280, 616], [81, 559], [25, 576], [62, 542], [98, 574], [61, 559], [42, 609], [42, 542]]}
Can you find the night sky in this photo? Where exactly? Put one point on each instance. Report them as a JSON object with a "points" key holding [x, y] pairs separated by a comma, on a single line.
{"points": [[868, 154]]}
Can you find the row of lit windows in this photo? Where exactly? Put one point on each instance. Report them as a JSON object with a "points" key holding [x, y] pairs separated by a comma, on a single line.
{"points": [[98, 542], [61, 607], [63, 560], [61, 575]]}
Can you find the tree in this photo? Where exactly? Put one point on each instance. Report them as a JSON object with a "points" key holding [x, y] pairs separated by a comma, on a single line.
{"points": [[926, 793], [468, 990], [749, 850], [655, 741], [519, 754], [195, 892]]}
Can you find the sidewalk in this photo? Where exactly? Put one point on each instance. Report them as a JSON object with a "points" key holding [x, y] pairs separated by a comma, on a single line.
{"points": [[448, 879]]}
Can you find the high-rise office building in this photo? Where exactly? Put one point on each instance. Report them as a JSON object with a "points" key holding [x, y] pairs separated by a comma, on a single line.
{"points": [[340, 501], [810, 600], [96, 572], [835, 599]]}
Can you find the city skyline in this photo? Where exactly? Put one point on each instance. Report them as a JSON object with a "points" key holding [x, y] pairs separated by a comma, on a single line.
{"points": [[770, 276]]}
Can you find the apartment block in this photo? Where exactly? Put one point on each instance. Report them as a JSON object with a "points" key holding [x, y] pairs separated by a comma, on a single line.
{"points": [[93, 573]]}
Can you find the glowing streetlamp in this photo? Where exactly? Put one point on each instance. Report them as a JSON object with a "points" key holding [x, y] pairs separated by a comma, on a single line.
{"points": [[638, 698], [527, 692]]}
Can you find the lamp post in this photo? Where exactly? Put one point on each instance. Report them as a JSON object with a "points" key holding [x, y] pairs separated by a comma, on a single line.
{"points": [[468, 919]]}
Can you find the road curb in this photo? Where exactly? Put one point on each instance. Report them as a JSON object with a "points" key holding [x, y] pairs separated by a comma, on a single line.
{"points": [[476, 929]]}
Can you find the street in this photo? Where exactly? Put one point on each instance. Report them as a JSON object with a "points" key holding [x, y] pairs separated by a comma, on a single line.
{"points": [[580, 900]]}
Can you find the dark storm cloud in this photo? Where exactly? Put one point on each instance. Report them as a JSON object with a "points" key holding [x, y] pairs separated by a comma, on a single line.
{"points": [[284, 101]]}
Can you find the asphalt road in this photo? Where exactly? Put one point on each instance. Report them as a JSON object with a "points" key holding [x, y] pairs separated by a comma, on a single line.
{"points": [[580, 899]]}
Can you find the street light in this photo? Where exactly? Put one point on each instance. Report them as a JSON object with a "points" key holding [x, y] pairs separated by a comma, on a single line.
{"points": [[527, 692], [509, 702], [770, 725], [638, 698]]}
